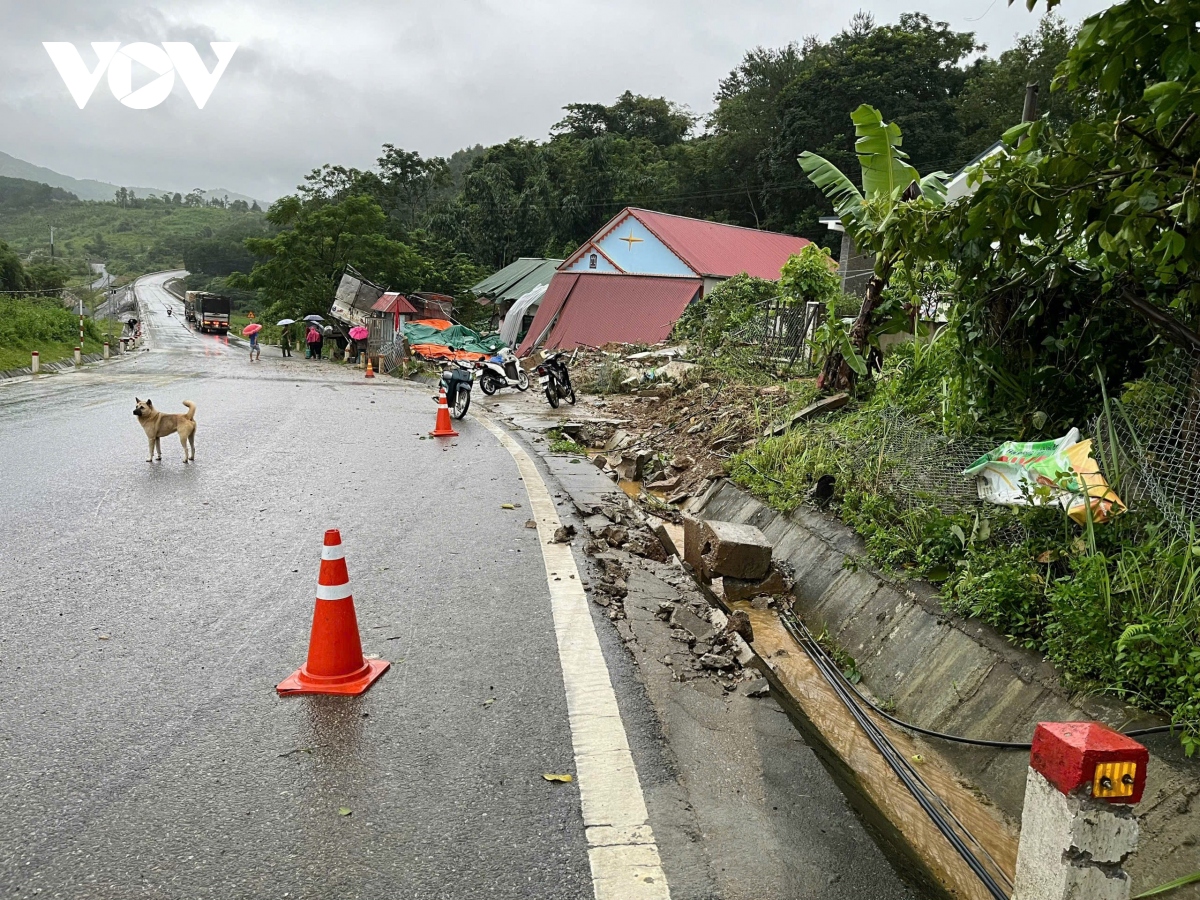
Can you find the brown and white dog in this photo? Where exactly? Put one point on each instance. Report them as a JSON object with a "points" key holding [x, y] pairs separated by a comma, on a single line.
{"points": [[158, 425]]}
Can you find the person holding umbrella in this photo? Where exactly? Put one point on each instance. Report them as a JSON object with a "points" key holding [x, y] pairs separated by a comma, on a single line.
{"points": [[285, 336], [358, 334], [251, 331]]}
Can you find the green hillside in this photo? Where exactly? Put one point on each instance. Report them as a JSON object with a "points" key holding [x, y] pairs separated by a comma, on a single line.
{"points": [[130, 240]]}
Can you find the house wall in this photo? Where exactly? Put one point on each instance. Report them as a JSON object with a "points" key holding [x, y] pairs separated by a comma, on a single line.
{"points": [[638, 252], [585, 263]]}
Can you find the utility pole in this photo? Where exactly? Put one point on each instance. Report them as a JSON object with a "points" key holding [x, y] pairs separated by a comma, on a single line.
{"points": [[52, 242]]}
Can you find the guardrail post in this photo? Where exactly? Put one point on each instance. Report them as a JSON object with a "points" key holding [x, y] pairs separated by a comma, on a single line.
{"points": [[78, 357], [36, 364], [107, 351], [1078, 827]]}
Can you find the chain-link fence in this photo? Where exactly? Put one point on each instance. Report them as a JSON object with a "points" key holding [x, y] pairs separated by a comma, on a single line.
{"points": [[1150, 448]]}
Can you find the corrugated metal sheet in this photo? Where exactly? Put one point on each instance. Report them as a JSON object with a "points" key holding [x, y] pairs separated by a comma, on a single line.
{"points": [[394, 303], [552, 302], [518, 278], [626, 309], [722, 250]]}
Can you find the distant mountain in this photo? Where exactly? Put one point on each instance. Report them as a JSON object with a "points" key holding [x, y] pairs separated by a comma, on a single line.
{"points": [[88, 189]]}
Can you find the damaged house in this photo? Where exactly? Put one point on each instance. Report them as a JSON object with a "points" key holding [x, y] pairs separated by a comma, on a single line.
{"points": [[631, 281]]}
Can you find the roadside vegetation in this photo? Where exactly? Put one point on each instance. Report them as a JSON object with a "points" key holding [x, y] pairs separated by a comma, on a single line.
{"points": [[1064, 292]]}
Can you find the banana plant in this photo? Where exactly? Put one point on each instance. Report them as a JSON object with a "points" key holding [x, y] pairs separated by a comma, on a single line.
{"points": [[888, 181]]}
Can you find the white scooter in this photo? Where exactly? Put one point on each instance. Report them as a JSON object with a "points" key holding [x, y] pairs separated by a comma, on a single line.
{"points": [[501, 371]]}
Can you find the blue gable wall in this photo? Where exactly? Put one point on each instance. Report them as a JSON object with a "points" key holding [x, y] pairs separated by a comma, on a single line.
{"points": [[644, 255], [584, 263]]}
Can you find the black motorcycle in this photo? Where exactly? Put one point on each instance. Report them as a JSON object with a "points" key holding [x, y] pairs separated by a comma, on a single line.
{"points": [[556, 380], [457, 378]]}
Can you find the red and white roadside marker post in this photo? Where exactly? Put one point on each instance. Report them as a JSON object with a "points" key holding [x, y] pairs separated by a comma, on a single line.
{"points": [[107, 351], [78, 357], [36, 363], [1078, 827]]}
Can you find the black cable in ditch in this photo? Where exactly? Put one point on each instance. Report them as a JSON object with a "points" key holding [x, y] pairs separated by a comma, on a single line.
{"points": [[916, 786], [961, 739]]}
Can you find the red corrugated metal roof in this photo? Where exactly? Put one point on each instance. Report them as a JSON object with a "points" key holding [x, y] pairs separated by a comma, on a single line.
{"points": [[393, 303], [551, 303], [626, 309], [722, 250]]}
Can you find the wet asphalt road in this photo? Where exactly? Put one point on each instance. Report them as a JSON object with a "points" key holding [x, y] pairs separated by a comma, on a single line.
{"points": [[149, 610]]}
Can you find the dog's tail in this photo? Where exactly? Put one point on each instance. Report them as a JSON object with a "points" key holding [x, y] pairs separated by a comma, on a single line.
{"points": [[191, 413]]}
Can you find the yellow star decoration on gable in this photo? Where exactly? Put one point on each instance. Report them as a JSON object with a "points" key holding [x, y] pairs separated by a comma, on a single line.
{"points": [[631, 240]]}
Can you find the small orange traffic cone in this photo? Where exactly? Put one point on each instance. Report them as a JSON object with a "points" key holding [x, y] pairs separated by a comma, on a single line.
{"points": [[335, 659], [443, 428], [370, 371]]}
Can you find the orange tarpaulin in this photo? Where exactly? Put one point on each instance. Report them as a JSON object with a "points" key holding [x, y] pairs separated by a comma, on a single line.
{"points": [[439, 324], [437, 351]]}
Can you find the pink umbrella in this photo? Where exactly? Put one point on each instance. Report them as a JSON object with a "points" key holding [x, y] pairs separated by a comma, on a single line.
{"points": [[358, 333], [252, 328]]}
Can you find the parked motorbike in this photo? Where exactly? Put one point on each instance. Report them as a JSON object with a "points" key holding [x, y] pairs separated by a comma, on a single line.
{"points": [[556, 380], [457, 378], [501, 371]]}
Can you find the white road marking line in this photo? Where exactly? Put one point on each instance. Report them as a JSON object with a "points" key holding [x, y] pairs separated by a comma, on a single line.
{"points": [[621, 847]]}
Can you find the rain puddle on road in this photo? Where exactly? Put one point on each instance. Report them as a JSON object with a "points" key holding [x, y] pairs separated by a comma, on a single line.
{"points": [[904, 830]]}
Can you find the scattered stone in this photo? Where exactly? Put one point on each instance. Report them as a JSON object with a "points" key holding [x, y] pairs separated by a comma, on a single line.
{"points": [[531, 524], [739, 624], [601, 599], [663, 484], [682, 463], [616, 535], [676, 499], [564, 534], [758, 687], [690, 622], [646, 545], [617, 588], [619, 441], [696, 429], [600, 461], [664, 611], [716, 661]]}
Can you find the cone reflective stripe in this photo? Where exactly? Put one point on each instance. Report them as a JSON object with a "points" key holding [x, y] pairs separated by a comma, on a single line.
{"points": [[443, 428], [335, 662], [370, 371]]}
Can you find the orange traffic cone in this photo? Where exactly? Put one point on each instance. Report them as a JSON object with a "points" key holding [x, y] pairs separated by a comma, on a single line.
{"points": [[443, 428], [335, 659], [370, 371]]}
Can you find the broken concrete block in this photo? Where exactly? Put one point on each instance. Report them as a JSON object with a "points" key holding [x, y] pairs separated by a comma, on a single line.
{"points": [[647, 546], [616, 535], [664, 537], [664, 611], [737, 551], [739, 589], [600, 461], [695, 533]]}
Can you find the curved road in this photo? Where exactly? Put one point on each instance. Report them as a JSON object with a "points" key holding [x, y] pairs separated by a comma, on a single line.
{"points": [[148, 610]]}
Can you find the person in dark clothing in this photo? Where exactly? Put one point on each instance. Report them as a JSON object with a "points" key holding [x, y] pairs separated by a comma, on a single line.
{"points": [[285, 341]]}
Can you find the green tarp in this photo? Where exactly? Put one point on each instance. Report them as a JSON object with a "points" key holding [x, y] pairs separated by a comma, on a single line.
{"points": [[456, 337]]}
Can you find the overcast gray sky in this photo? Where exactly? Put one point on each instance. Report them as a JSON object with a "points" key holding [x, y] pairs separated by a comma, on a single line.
{"points": [[320, 82]]}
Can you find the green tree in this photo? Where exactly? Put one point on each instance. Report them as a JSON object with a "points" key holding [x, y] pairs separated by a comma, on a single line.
{"points": [[868, 216], [993, 97], [12, 273]]}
